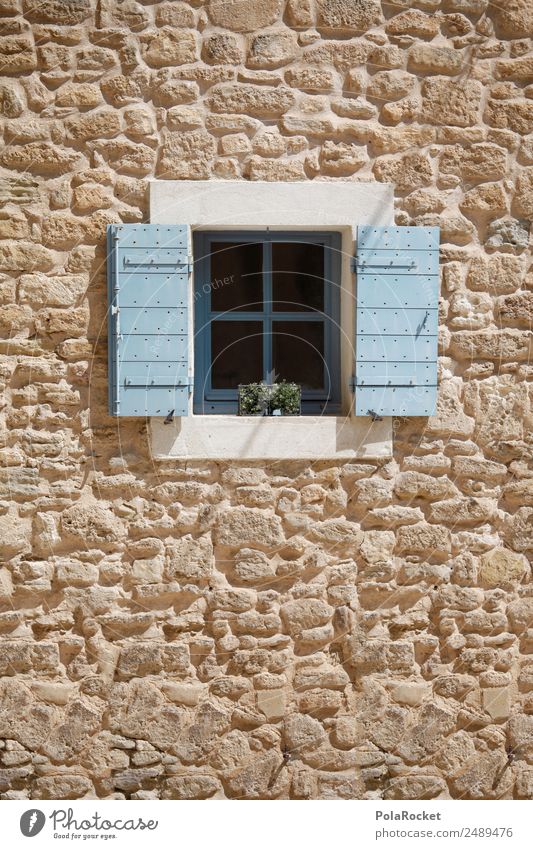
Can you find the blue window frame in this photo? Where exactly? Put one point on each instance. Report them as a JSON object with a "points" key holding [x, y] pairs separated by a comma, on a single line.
{"points": [[266, 307]]}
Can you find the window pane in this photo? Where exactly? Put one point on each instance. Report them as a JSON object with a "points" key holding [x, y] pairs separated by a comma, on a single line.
{"points": [[297, 277], [236, 353], [298, 352], [236, 276]]}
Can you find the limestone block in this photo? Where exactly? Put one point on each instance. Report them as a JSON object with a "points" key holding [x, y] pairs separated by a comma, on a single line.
{"points": [[92, 522], [186, 155], [345, 16], [73, 573], [272, 49], [121, 89], [300, 13], [272, 703], [377, 546], [253, 567], [515, 69], [85, 95], [170, 46], [66, 786], [417, 786], [303, 733], [55, 12], [434, 60], [422, 538], [222, 48], [515, 115], [497, 275], [248, 527], [510, 345], [514, 20], [147, 571], [263, 101], [15, 534], [68, 322], [190, 559], [318, 80], [349, 107], [516, 310], [523, 199], [407, 172], [244, 15], [235, 144], [418, 485], [191, 787], [413, 22], [100, 124], [450, 102], [40, 158], [462, 511], [373, 492], [411, 693], [11, 103], [17, 55], [175, 14], [341, 159], [502, 568], [305, 614], [508, 234], [61, 231], [150, 658], [484, 202], [519, 731], [476, 163], [390, 85]]}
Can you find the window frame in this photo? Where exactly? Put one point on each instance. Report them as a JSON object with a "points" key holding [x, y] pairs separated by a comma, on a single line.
{"points": [[209, 401]]}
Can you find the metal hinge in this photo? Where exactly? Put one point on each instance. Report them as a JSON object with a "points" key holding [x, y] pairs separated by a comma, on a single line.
{"points": [[352, 383], [353, 264]]}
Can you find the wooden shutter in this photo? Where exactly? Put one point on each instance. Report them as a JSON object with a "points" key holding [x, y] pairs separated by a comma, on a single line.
{"points": [[397, 316], [148, 272]]}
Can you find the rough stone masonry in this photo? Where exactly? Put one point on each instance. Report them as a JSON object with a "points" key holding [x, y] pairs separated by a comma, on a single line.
{"points": [[330, 631]]}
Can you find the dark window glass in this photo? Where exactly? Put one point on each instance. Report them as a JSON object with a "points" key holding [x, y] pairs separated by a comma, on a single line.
{"points": [[298, 352], [297, 277], [236, 276], [236, 353]]}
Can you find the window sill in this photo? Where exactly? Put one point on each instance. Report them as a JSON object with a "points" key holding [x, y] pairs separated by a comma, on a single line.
{"points": [[216, 437]]}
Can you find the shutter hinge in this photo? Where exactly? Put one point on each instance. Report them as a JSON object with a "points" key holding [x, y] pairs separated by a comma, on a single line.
{"points": [[190, 265], [353, 264], [352, 383]]}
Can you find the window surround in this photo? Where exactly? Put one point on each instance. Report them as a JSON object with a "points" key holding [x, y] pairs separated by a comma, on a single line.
{"points": [[318, 205]]}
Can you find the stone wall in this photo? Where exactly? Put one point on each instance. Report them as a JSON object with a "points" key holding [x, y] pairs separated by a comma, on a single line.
{"points": [[325, 631]]}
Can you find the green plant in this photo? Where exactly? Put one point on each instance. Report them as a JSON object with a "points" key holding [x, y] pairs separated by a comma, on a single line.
{"points": [[253, 399], [286, 397], [275, 399]]}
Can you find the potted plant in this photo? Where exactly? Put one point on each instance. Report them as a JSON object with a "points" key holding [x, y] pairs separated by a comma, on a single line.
{"points": [[285, 399], [270, 399], [253, 399]]}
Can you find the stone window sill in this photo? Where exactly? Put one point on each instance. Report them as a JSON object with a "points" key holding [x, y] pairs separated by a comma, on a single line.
{"points": [[278, 438]]}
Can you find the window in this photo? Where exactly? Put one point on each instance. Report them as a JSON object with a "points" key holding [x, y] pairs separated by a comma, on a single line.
{"points": [[266, 307]]}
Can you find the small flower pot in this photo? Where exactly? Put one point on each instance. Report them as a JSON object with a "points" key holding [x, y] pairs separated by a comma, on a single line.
{"points": [[270, 399]]}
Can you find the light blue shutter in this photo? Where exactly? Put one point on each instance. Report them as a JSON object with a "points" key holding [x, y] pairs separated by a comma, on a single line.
{"points": [[396, 334], [148, 273]]}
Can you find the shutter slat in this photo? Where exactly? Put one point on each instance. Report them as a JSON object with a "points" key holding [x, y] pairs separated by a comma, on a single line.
{"points": [[397, 321], [149, 320], [393, 290]]}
